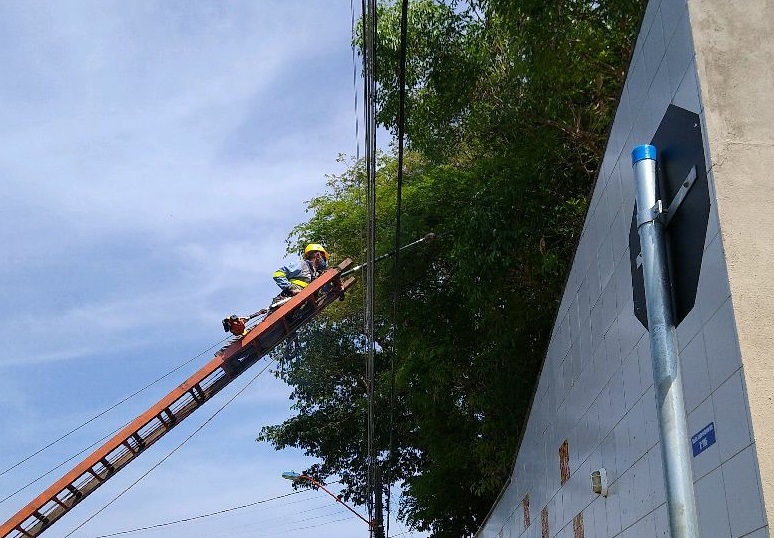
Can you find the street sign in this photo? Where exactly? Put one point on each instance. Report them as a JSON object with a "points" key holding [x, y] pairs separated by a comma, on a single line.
{"points": [[704, 439], [678, 140]]}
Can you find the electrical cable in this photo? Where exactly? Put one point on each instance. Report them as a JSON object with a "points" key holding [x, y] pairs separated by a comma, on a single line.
{"points": [[369, 65], [224, 511], [396, 267], [95, 443], [95, 417], [194, 518], [275, 533], [183, 442], [354, 81]]}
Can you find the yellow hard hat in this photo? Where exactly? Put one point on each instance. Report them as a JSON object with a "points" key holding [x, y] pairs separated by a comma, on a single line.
{"points": [[316, 247]]}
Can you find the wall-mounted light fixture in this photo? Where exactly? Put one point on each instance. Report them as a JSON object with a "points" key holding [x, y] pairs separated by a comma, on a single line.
{"points": [[599, 481]]}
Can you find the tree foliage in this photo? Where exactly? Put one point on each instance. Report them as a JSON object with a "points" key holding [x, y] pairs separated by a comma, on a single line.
{"points": [[508, 108]]}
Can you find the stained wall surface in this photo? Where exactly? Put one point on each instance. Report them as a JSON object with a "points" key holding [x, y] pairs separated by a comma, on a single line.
{"points": [[595, 403]]}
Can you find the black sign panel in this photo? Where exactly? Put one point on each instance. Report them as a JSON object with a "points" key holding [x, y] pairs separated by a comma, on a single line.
{"points": [[679, 144]]}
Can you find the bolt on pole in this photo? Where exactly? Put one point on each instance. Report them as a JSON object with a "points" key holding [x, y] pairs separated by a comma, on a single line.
{"points": [[670, 404]]}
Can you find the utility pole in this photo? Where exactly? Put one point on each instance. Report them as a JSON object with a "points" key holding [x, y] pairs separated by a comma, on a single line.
{"points": [[378, 523]]}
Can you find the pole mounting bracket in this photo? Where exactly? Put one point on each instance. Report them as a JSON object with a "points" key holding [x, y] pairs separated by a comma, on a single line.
{"points": [[690, 179]]}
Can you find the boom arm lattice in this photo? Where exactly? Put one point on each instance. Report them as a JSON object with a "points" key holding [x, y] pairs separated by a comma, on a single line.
{"points": [[149, 427]]}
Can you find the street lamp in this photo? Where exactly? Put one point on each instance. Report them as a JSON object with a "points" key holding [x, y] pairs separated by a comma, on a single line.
{"points": [[295, 477]]}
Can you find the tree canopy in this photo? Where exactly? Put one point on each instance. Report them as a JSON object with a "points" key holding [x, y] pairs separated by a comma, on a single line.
{"points": [[508, 107]]}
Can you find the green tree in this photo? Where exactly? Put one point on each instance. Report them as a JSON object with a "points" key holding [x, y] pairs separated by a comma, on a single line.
{"points": [[508, 107]]}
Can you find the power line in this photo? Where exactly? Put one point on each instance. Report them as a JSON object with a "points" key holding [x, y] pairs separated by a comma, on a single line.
{"points": [[165, 458], [354, 81], [369, 67], [396, 267], [224, 511], [95, 417], [194, 518]]}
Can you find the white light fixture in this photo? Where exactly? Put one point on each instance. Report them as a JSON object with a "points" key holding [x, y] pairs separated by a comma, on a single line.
{"points": [[599, 481]]}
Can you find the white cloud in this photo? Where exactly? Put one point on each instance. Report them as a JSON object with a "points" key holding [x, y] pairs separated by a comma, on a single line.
{"points": [[153, 157]]}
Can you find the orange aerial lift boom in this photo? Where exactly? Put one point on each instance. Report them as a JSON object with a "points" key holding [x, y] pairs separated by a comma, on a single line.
{"points": [[149, 427]]}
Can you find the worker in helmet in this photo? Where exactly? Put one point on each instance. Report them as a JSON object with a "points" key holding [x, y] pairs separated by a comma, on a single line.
{"points": [[297, 275]]}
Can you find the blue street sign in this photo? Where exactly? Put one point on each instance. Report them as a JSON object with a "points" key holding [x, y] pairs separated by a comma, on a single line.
{"points": [[704, 439]]}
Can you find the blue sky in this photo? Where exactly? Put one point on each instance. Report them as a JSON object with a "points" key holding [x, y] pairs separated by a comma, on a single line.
{"points": [[153, 157]]}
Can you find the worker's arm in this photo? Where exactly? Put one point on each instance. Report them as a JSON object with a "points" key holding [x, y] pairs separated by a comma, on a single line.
{"points": [[285, 274]]}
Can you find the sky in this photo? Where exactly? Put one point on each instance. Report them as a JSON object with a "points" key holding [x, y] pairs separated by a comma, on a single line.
{"points": [[154, 156]]}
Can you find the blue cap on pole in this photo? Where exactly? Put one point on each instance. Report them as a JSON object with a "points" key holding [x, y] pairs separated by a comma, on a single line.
{"points": [[645, 151]]}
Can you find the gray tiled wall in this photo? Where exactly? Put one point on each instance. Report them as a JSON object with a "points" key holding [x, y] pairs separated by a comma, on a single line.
{"points": [[596, 388]]}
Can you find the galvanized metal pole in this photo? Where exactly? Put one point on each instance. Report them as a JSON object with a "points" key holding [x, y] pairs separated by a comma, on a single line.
{"points": [[675, 449]]}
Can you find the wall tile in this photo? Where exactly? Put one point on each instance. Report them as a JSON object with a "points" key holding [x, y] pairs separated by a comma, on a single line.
{"points": [[647, 21], [624, 456], [722, 344], [638, 434], [630, 330], [743, 493], [650, 417], [584, 340], [708, 460], [619, 239], [645, 526], [662, 522], [613, 512], [616, 394], [760, 533], [641, 493], [659, 96], [646, 360], [713, 281], [628, 500], [608, 452], [689, 327], [636, 90], [656, 470], [672, 11], [679, 54], [600, 518], [687, 94], [608, 305], [614, 188], [631, 380], [620, 128], [612, 343], [606, 419], [695, 378], [732, 426], [711, 504], [605, 259], [627, 184]]}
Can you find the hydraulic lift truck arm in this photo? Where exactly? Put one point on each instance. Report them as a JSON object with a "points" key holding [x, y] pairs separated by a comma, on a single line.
{"points": [[149, 427]]}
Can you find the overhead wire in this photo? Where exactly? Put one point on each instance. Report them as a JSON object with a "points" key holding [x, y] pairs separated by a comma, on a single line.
{"points": [[354, 80], [225, 511], [101, 413], [369, 66], [170, 453], [401, 120], [197, 517]]}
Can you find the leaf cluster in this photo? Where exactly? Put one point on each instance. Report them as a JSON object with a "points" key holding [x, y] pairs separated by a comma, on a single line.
{"points": [[508, 107]]}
